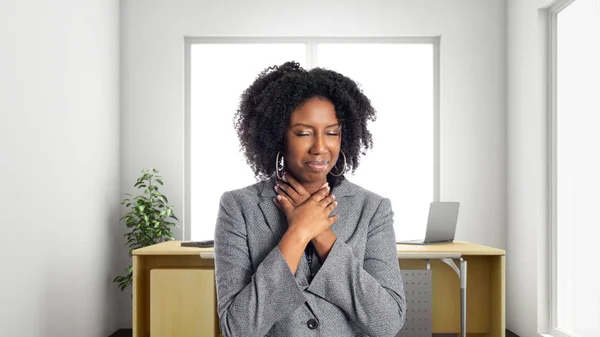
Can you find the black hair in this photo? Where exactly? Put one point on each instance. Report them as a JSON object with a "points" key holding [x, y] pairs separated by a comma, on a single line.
{"points": [[265, 108]]}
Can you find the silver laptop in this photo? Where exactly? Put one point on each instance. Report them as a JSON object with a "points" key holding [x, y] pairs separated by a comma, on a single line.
{"points": [[441, 223]]}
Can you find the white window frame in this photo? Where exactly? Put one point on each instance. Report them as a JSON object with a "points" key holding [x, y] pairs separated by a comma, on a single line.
{"points": [[311, 60], [551, 317]]}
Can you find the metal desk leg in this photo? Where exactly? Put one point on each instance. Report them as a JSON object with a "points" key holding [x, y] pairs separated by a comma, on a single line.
{"points": [[462, 276], [463, 297]]}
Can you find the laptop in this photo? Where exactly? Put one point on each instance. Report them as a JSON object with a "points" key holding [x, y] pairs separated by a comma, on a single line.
{"points": [[441, 223]]}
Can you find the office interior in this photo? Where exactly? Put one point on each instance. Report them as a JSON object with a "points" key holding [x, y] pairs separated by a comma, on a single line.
{"points": [[93, 91]]}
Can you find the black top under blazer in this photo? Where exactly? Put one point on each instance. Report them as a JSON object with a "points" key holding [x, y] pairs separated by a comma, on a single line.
{"points": [[357, 291]]}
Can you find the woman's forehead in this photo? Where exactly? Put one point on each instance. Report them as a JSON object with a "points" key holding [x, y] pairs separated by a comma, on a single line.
{"points": [[315, 112]]}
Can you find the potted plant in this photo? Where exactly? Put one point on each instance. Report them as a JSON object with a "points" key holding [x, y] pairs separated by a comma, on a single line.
{"points": [[149, 220]]}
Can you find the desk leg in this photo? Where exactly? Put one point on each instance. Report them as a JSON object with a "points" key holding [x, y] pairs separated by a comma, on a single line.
{"points": [[141, 296], [463, 297], [497, 288], [462, 276]]}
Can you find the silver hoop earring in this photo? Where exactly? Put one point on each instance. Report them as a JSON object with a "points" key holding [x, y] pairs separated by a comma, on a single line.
{"points": [[277, 165], [344, 170]]}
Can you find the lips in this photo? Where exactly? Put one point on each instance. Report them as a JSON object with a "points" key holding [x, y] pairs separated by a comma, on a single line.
{"points": [[317, 165]]}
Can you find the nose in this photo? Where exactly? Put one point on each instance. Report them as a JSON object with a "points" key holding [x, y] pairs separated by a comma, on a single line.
{"points": [[318, 145]]}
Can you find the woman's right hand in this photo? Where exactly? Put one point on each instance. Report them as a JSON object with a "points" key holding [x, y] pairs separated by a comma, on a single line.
{"points": [[312, 217]]}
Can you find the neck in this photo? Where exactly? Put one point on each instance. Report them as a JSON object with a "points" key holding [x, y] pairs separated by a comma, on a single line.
{"points": [[313, 187]]}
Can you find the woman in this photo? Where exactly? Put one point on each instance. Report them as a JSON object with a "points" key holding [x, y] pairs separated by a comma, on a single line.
{"points": [[305, 252]]}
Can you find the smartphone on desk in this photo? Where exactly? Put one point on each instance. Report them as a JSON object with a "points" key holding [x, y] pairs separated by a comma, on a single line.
{"points": [[201, 244]]}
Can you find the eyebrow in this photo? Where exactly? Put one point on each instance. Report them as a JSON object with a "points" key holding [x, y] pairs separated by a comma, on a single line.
{"points": [[310, 126]]}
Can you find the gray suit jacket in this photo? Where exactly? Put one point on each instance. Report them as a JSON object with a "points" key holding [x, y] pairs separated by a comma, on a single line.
{"points": [[357, 291]]}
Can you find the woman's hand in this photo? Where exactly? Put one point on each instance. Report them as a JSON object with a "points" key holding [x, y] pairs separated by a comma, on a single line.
{"points": [[291, 189], [312, 216]]}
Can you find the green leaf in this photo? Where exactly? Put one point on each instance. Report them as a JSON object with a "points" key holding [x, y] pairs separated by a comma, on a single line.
{"points": [[145, 219]]}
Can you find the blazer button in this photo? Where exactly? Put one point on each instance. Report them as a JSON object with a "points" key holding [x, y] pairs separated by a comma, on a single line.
{"points": [[312, 324]]}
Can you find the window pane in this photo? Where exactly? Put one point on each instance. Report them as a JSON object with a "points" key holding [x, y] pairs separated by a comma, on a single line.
{"points": [[578, 167], [219, 75], [398, 78]]}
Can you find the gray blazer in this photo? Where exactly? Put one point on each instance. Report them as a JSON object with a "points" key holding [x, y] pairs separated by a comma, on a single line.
{"points": [[357, 291]]}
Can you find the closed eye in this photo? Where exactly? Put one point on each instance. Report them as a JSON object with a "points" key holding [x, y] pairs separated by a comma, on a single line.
{"points": [[308, 134]]}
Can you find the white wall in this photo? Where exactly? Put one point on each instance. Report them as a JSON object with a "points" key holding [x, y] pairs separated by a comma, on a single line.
{"points": [[527, 165], [473, 84], [59, 166]]}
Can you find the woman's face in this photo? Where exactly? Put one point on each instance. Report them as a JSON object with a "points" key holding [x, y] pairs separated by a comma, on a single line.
{"points": [[313, 140]]}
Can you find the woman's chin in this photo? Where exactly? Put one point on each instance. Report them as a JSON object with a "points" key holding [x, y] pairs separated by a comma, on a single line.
{"points": [[306, 175], [311, 176]]}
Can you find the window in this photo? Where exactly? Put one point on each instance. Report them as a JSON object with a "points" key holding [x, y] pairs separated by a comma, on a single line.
{"points": [[575, 73], [218, 74], [398, 78], [398, 75]]}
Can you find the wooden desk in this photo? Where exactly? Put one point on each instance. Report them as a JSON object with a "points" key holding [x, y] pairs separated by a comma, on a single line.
{"points": [[174, 290]]}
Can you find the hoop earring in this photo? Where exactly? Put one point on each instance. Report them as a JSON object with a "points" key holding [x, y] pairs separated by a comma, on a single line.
{"points": [[277, 166], [344, 170]]}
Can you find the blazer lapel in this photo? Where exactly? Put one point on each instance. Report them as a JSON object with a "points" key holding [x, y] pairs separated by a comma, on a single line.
{"points": [[274, 217], [277, 224]]}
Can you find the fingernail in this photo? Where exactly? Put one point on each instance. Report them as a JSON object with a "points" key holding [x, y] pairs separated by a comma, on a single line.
{"points": [[276, 187], [278, 197], [333, 196], [284, 178]]}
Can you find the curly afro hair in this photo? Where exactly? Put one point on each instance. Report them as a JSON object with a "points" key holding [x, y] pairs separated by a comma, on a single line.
{"points": [[265, 108]]}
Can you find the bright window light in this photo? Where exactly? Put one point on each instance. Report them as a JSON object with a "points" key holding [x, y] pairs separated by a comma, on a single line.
{"points": [[397, 77], [399, 80], [576, 292], [219, 74]]}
